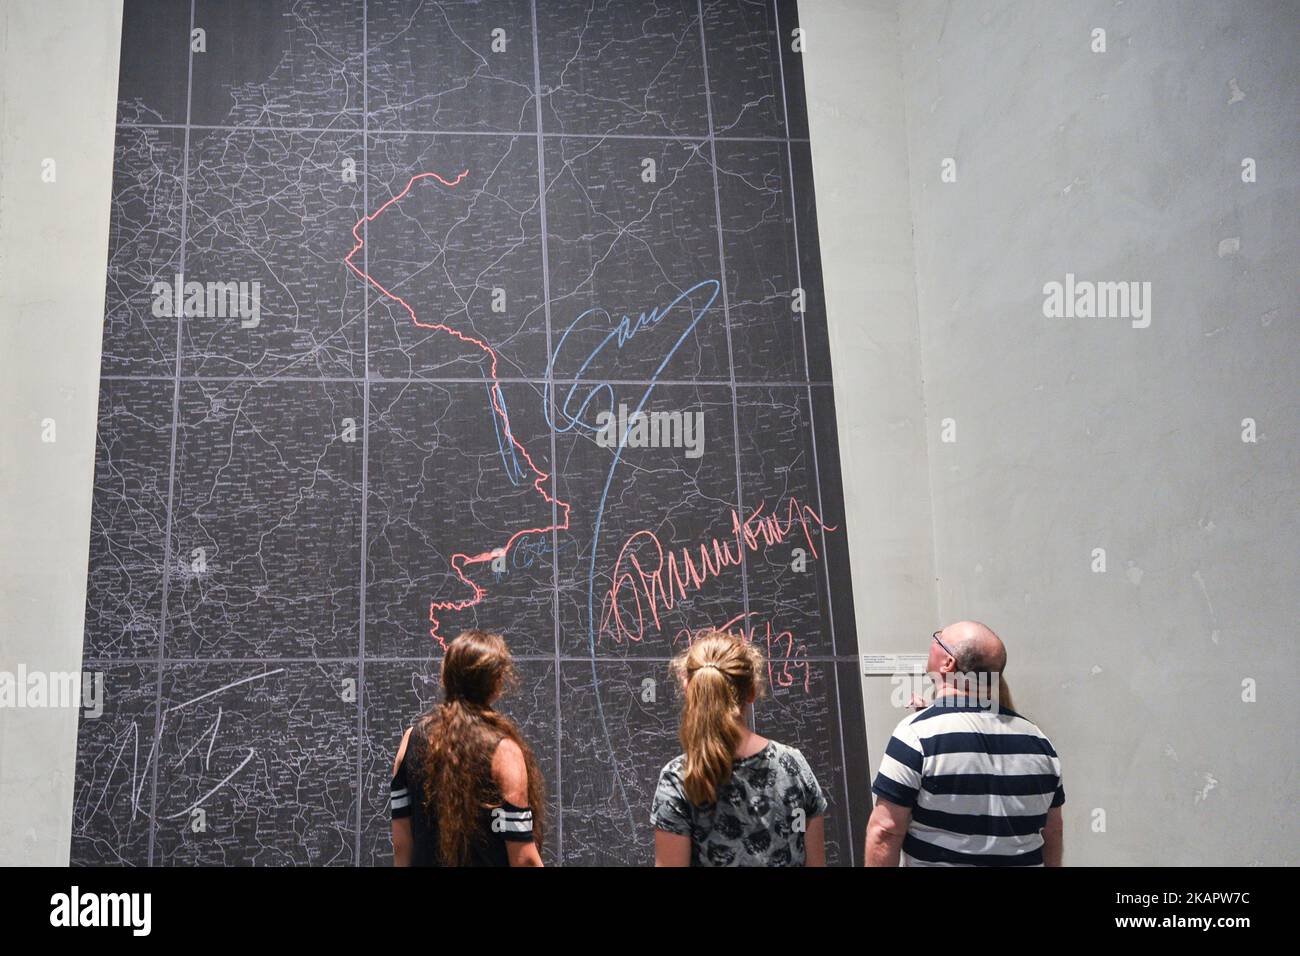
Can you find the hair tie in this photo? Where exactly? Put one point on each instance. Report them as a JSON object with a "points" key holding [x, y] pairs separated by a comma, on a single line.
{"points": [[709, 664]]}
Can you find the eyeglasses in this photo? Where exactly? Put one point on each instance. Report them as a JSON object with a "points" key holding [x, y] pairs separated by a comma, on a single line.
{"points": [[945, 647]]}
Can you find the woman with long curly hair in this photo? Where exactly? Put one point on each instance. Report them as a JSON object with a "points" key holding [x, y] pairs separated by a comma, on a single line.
{"points": [[466, 789], [733, 798]]}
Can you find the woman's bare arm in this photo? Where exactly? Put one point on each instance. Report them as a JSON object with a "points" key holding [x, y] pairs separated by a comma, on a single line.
{"points": [[814, 841], [511, 775], [401, 828], [1053, 838], [672, 849]]}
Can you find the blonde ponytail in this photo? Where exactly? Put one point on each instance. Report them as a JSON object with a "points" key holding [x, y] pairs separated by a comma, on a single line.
{"points": [[721, 673]]}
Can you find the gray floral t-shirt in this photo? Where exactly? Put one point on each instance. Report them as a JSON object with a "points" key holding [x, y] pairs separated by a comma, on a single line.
{"points": [[759, 818]]}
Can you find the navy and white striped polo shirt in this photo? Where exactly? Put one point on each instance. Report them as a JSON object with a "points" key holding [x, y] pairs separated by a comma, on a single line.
{"points": [[979, 782]]}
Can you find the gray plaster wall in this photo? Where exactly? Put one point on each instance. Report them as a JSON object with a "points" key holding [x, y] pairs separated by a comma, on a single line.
{"points": [[1085, 433], [58, 96]]}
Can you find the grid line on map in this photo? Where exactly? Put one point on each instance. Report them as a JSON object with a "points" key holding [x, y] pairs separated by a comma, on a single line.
{"points": [[726, 317], [406, 658], [516, 134], [550, 423], [459, 380], [360, 800], [155, 750]]}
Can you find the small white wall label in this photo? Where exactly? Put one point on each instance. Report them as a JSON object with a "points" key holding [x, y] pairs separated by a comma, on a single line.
{"points": [[890, 664]]}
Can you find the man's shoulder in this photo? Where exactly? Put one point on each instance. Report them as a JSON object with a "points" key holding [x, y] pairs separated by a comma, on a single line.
{"points": [[1020, 723], [941, 717], [905, 729]]}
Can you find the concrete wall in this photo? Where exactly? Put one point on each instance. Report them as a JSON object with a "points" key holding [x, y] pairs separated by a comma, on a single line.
{"points": [[1075, 434], [58, 93]]}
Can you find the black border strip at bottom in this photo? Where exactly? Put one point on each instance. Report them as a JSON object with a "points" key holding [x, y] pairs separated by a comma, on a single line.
{"points": [[336, 906]]}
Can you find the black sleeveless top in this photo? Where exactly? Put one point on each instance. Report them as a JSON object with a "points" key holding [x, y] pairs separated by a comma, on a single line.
{"points": [[497, 825]]}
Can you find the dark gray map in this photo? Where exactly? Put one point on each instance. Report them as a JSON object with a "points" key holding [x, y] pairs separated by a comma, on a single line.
{"points": [[423, 316]]}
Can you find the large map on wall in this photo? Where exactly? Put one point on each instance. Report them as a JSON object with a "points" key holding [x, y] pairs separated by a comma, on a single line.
{"points": [[423, 316]]}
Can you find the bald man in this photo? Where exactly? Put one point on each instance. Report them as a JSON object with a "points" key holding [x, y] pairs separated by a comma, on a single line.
{"points": [[967, 781]]}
